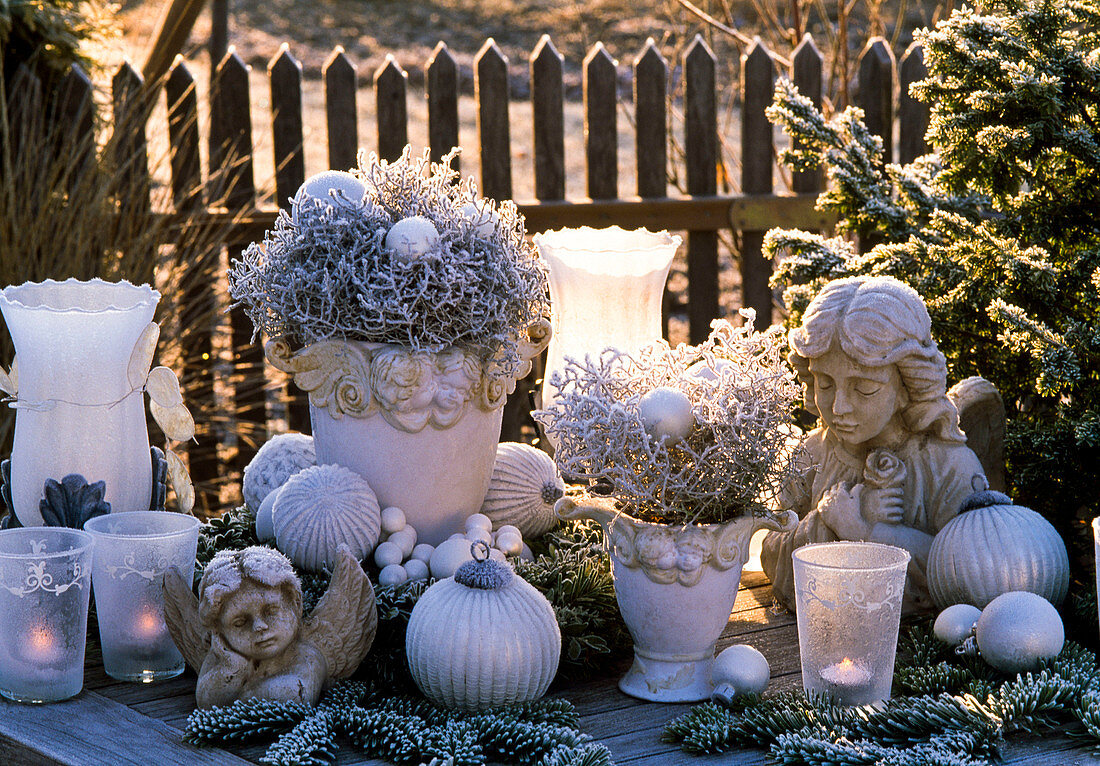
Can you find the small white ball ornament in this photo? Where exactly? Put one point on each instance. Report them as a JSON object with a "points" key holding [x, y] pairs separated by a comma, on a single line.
{"points": [[954, 624], [479, 536], [666, 413], [393, 520], [449, 555], [509, 543], [388, 554], [479, 521], [405, 538], [423, 552], [1017, 630], [416, 569], [393, 574], [738, 670], [412, 238]]}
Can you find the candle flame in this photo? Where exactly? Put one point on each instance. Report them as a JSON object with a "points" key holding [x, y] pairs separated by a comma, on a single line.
{"points": [[149, 623], [40, 639], [845, 664]]}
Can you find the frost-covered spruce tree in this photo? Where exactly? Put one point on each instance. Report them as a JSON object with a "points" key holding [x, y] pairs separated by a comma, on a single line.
{"points": [[998, 228]]}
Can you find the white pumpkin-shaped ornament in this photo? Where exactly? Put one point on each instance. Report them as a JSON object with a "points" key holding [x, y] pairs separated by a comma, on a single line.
{"points": [[994, 547], [523, 489], [483, 638], [281, 456], [320, 508]]}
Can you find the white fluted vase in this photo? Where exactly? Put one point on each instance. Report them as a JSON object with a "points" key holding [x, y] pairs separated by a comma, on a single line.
{"points": [[77, 411], [606, 288]]}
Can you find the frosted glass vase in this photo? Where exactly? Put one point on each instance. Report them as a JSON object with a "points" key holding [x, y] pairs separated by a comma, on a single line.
{"points": [[76, 410], [606, 287]]}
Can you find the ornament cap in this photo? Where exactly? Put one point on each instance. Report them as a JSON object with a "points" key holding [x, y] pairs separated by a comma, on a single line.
{"points": [[984, 499], [483, 573]]}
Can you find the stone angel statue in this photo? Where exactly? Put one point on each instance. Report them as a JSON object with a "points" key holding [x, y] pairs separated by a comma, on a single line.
{"points": [[245, 635], [896, 452]]}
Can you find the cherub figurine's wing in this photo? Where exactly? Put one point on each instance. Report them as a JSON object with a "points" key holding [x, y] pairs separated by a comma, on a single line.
{"points": [[181, 613], [982, 419], [343, 624]]}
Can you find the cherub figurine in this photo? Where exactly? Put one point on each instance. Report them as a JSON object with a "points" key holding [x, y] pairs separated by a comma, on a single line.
{"points": [[889, 462], [245, 634]]}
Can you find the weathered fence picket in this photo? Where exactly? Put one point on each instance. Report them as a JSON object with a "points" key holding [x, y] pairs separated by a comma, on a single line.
{"points": [[702, 212], [441, 81], [547, 109], [757, 154], [341, 121], [493, 132], [601, 130], [701, 159]]}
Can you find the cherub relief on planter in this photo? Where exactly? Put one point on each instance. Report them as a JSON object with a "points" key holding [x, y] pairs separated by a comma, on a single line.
{"points": [[889, 462], [245, 634]]}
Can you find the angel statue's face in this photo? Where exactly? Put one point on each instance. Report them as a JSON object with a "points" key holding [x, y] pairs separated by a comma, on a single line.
{"points": [[259, 622], [857, 403]]}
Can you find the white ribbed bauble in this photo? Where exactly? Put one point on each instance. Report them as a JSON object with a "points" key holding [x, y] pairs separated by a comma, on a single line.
{"points": [[482, 639]]}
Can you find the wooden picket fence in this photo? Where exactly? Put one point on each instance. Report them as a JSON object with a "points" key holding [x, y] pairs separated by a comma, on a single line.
{"points": [[702, 212]]}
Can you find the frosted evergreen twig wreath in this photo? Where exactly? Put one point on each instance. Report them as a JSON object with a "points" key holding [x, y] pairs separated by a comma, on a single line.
{"points": [[738, 452], [324, 271]]}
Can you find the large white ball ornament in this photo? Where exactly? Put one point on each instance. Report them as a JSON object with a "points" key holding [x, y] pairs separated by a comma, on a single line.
{"points": [[330, 185], [412, 238], [1017, 630], [953, 625], [666, 413], [739, 670], [277, 460]]}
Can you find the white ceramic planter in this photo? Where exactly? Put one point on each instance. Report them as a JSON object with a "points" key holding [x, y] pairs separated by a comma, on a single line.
{"points": [[675, 587], [421, 428]]}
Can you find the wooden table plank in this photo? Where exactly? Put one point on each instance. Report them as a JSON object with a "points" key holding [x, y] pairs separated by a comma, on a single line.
{"points": [[91, 729]]}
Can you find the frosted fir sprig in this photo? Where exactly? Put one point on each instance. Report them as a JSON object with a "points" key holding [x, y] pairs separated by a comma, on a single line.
{"points": [[737, 453], [324, 272]]}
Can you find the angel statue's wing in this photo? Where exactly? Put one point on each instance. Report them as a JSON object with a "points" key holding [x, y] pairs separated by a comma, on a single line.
{"points": [[181, 613], [343, 623], [982, 419]]}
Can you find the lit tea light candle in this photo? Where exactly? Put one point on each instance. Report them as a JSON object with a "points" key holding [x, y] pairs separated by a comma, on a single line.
{"points": [[149, 624], [848, 680], [42, 646]]}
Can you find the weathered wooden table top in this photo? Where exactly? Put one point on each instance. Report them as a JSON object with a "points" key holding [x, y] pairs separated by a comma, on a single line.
{"points": [[117, 724]]}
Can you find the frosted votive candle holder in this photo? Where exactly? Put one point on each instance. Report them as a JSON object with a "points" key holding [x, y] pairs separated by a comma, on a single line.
{"points": [[1096, 543], [848, 597], [44, 588], [133, 550]]}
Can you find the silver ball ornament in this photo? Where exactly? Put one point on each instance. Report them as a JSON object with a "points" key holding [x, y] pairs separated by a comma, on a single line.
{"points": [[738, 670], [1017, 630], [954, 624]]}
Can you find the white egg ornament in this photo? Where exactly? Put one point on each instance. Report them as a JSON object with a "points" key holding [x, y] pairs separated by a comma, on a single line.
{"points": [[666, 414], [329, 186], [955, 623], [482, 639], [265, 526], [412, 238], [1017, 630], [739, 670]]}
